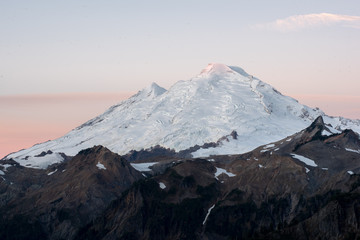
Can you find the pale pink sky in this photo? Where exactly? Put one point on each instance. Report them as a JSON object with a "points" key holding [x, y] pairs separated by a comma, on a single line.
{"points": [[333, 105], [30, 119]]}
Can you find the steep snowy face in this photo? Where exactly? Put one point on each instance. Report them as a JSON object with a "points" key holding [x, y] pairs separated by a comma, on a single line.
{"points": [[219, 100]]}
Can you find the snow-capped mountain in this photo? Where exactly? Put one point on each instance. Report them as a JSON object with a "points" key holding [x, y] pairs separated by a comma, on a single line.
{"points": [[221, 99]]}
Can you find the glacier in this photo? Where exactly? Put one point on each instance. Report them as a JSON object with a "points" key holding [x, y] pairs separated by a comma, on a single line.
{"points": [[204, 109]]}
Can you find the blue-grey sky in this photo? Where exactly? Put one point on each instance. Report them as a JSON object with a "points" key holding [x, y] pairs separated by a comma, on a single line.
{"points": [[113, 46]]}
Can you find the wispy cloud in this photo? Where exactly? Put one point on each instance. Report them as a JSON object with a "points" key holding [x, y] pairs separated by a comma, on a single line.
{"points": [[298, 22]]}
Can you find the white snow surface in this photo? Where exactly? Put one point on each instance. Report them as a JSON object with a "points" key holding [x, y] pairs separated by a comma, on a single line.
{"points": [[305, 160], [208, 213], [219, 171], [201, 110], [39, 162], [329, 131], [326, 133], [143, 167], [6, 166], [162, 185], [352, 150], [2, 173], [350, 172], [51, 173], [269, 146], [100, 166]]}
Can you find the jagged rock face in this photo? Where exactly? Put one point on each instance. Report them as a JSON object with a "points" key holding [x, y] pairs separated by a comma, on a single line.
{"points": [[338, 219], [59, 200], [148, 211], [179, 211]]}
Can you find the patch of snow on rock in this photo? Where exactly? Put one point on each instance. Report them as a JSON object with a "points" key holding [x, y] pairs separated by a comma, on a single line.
{"points": [[220, 171], [162, 185], [305, 160], [208, 213], [352, 150], [269, 146], [40, 162], [2, 173], [100, 166], [6, 166], [51, 173], [326, 133], [143, 167], [350, 172]]}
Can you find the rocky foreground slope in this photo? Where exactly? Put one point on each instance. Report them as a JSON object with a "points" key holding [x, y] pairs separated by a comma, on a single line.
{"points": [[305, 186], [56, 202]]}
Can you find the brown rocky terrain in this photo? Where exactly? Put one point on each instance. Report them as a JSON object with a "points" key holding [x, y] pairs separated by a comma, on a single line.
{"points": [[54, 203], [306, 186]]}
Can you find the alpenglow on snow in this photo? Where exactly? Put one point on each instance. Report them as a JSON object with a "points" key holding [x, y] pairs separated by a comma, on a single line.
{"points": [[218, 101]]}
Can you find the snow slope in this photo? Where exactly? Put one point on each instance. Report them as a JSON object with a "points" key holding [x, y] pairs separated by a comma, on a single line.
{"points": [[203, 109]]}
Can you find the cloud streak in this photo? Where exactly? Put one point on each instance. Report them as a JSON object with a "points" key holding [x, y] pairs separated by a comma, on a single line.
{"points": [[298, 22]]}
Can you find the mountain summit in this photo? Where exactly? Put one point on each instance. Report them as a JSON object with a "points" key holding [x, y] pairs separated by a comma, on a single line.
{"points": [[151, 91], [216, 68], [215, 103], [219, 68]]}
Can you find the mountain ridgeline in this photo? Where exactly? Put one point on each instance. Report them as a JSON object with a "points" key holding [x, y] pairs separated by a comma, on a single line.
{"points": [[221, 156]]}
